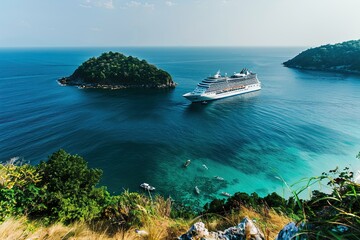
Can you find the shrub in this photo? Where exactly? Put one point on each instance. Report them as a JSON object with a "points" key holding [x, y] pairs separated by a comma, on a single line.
{"points": [[129, 209], [335, 215], [19, 191], [70, 188]]}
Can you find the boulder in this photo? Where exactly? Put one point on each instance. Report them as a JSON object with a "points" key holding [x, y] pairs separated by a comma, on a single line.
{"points": [[245, 230], [197, 231], [288, 232]]}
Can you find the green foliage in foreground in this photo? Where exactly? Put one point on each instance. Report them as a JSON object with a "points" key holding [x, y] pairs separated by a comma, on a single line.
{"points": [[342, 57], [254, 201], [333, 215], [116, 69], [20, 193], [63, 189], [326, 216], [70, 188]]}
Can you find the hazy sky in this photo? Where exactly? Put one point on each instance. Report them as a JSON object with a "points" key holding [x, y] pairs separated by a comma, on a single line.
{"points": [[28, 23]]}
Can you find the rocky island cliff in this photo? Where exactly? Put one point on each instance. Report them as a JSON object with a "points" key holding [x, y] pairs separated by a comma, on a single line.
{"points": [[113, 70], [341, 57]]}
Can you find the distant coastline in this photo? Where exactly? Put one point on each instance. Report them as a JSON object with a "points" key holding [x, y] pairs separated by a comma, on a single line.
{"points": [[116, 71], [341, 58]]}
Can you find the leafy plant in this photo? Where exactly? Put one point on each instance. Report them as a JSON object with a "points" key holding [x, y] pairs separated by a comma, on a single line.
{"points": [[19, 190], [129, 209], [333, 215], [70, 188]]}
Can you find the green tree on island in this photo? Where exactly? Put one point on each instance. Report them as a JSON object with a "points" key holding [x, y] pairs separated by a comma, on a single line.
{"points": [[341, 57], [116, 70]]}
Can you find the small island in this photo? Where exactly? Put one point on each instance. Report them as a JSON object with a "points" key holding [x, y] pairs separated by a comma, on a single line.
{"points": [[342, 57], [113, 70]]}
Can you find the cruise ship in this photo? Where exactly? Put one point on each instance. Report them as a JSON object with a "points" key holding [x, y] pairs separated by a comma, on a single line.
{"points": [[217, 86]]}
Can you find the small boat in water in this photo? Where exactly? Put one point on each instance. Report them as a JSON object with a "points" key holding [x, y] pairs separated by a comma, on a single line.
{"points": [[197, 190], [146, 186], [226, 194], [219, 178], [187, 163], [204, 166]]}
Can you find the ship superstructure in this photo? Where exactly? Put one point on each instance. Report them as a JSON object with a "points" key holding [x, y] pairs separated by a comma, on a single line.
{"points": [[218, 86]]}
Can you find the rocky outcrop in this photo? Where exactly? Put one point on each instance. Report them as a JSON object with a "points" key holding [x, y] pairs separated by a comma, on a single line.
{"points": [[245, 230], [288, 232], [65, 81]]}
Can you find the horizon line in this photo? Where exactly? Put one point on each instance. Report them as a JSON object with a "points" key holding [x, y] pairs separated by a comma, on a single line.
{"points": [[158, 46]]}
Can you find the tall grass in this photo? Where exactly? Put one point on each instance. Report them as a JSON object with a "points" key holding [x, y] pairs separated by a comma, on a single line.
{"points": [[22, 229], [156, 227], [331, 215]]}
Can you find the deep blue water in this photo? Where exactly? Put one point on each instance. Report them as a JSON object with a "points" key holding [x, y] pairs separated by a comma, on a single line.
{"points": [[300, 124]]}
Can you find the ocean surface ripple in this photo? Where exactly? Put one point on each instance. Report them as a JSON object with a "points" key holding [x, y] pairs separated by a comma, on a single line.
{"points": [[300, 124]]}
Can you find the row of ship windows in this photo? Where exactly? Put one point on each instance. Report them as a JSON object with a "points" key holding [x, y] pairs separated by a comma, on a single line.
{"points": [[217, 87], [246, 82], [222, 90]]}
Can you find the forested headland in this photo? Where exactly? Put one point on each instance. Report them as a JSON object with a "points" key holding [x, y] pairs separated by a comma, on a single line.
{"points": [[342, 57]]}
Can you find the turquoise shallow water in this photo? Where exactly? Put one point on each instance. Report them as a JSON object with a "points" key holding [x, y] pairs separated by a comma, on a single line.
{"points": [[300, 124]]}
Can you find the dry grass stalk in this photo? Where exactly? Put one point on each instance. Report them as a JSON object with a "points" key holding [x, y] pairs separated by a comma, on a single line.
{"points": [[157, 227]]}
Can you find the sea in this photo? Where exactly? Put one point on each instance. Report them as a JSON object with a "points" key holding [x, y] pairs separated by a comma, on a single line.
{"points": [[301, 124]]}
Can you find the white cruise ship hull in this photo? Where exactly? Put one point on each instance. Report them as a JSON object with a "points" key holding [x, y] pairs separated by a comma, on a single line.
{"points": [[209, 96]]}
